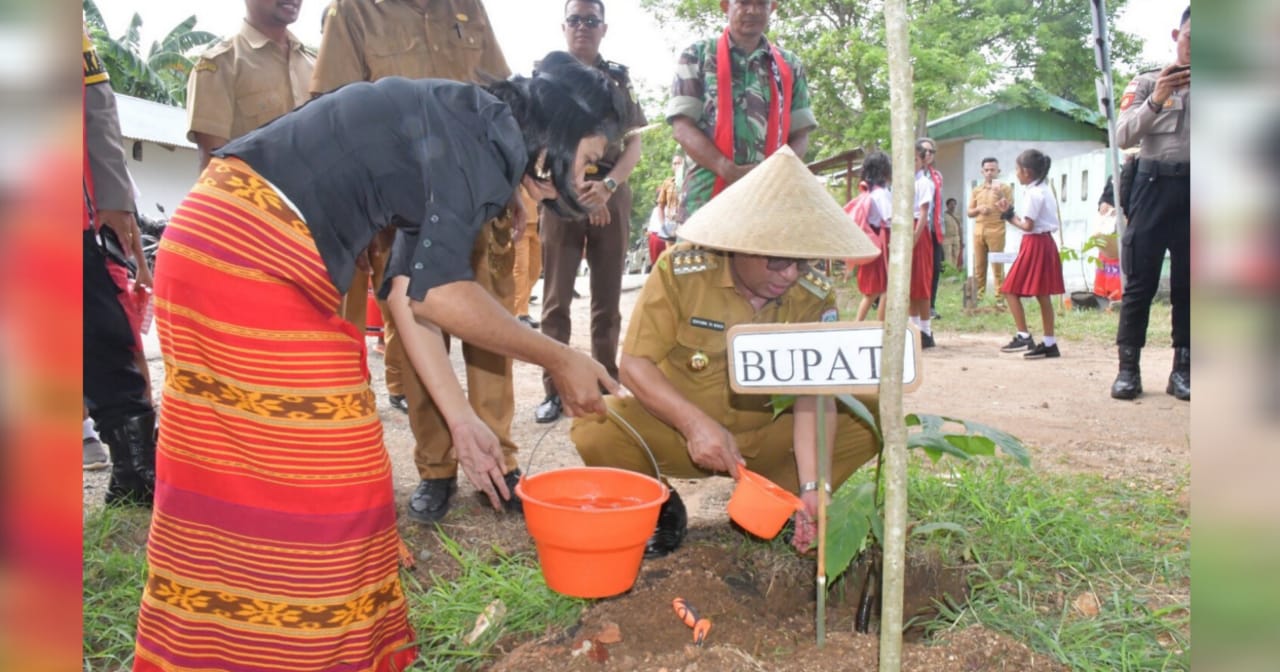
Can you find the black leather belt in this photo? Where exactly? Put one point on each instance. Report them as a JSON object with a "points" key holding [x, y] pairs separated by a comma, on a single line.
{"points": [[1164, 168]]}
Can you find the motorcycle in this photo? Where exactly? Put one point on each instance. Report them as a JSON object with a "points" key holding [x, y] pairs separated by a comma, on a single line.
{"points": [[152, 229]]}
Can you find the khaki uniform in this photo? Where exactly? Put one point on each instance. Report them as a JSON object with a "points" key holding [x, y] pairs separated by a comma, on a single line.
{"points": [[245, 81], [951, 237], [679, 322], [988, 233], [528, 263], [366, 40]]}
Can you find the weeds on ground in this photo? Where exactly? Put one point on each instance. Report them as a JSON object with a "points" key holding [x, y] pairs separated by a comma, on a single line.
{"points": [[1095, 573], [1091, 326], [114, 570], [446, 611]]}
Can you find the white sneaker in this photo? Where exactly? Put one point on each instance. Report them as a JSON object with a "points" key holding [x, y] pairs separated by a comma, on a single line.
{"points": [[95, 455]]}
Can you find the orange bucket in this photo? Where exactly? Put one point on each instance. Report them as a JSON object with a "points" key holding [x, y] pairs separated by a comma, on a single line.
{"points": [[590, 525], [760, 506]]}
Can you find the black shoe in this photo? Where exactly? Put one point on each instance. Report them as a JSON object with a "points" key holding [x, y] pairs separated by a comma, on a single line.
{"points": [[1043, 351], [132, 442], [533, 298], [1128, 383], [430, 501], [398, 402], [933, 315], [532, 323], [576, 295], [926, 341], [1020, 343], [549, 410], [1180, 378], [673, 523], [513, 505]]}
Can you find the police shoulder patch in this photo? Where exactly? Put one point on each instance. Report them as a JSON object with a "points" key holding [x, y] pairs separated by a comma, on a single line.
{"points": [[817, 283], [693, 260]]}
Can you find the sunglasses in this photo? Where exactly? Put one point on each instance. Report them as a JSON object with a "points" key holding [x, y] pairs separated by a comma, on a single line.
{"points": [[779, 264], [928, 151], [573, 21]]}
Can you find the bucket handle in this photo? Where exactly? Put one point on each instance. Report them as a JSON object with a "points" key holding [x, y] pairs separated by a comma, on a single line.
{"points": [[618, 418]]}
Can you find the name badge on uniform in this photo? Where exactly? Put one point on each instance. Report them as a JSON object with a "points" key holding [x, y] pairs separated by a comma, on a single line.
{"points": [[706, 324]]}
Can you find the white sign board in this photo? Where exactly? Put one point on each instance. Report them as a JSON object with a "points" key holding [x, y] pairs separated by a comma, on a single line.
{"points": [[815, 358]]}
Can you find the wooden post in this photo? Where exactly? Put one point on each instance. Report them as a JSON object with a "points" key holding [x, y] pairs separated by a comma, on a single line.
{"points": [[824, 477]]}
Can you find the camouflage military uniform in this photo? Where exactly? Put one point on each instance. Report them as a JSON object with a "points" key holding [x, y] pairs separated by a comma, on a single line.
{"points": [[679, 323], [693, 94]]}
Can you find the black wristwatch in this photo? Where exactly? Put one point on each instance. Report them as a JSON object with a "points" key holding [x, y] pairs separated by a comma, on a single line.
{"points": [[610, 184]]}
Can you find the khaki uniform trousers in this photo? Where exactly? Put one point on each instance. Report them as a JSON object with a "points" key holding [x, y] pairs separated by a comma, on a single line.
{"points": [[489, 384], [987, 238], [768, 448], [527, 267]]}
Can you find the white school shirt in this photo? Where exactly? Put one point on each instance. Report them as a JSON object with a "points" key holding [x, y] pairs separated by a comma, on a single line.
{"points": [[924, 196], [881, 210], [1038, 205]]}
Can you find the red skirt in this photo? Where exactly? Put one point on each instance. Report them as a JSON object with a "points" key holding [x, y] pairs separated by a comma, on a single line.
{"points": [[873, 276], [1038, 270], [273, 542], [922, 267]]}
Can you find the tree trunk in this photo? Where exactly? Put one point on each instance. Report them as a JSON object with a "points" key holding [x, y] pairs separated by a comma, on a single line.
{"points": [[901, 95]]}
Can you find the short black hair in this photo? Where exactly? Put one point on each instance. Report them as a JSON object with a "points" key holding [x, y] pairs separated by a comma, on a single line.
{"points": [[563, 102], [1186, 16], [951, 200], [597, 3], [1037, 163], [989, 159], [877, 169]]}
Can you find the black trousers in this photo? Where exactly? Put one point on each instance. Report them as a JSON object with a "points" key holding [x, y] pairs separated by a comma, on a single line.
{"points": [[1159, 220], [114, 389]]}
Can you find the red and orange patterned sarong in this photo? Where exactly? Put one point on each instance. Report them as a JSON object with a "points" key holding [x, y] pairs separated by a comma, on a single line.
{"points": [[273, 542]]}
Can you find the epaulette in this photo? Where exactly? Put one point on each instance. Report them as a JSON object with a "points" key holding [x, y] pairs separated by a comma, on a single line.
{"points": [[215, 50], [313, 53], [817, 283], [693, 260], [619, 73]]}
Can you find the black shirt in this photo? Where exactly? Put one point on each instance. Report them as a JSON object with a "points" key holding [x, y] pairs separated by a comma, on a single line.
{"points": [[436, 158]]}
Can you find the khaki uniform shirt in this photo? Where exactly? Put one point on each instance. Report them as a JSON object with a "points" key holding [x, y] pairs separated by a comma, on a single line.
{"points": [[685, 308], [1165, 135], [366, 40], [244, 82], [984, 196]]}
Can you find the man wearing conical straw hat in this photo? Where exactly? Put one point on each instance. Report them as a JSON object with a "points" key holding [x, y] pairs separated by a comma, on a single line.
{"points": [[745, 259]]}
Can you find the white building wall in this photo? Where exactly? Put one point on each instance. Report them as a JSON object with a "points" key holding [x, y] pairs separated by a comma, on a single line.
{"points": [[963, 159], [164, 175]]}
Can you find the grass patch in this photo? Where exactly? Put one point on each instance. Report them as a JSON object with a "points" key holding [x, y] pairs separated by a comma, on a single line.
{"points": [[1080, 326], [445, 612], [114, 571], [1044, 546]]}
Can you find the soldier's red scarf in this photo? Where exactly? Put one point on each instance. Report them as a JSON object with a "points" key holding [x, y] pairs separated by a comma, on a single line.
{"points": [[779, 122]]}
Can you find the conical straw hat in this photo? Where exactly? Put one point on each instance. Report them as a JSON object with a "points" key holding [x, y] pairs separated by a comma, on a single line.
{"points": [[779, 209]]}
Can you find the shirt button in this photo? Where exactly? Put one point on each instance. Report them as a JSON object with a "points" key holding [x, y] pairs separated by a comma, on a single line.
{"points": [[417, 266], [426, 243], [435, 218]]}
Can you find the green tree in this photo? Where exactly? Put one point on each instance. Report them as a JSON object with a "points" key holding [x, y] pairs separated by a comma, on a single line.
{"points": [[160, 74], [962, 53], [658, 146]]}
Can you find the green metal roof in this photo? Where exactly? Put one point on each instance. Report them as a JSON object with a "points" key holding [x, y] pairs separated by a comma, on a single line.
{"points": [[1062, 120]]}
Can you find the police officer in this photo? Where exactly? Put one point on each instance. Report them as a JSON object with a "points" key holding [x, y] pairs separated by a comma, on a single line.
{"points": [[1156, 112], [242, 82], [366, 40], [605, 232], [743, 261]]}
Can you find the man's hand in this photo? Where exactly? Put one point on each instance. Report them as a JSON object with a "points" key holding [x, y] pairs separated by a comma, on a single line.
{"points": [[593, 195], [599, 217], [711, 446], [122, 223], [731, 172], [480, 455], [1172, 78], [578, 379]]}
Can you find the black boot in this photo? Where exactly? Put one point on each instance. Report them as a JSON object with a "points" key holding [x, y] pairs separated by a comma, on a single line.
{"points": [[133, 459], [673, 522], [1180, 379], [1128, 383]]}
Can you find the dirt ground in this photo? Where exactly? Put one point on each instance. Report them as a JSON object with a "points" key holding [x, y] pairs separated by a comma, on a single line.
{"points": [[763, 609]]}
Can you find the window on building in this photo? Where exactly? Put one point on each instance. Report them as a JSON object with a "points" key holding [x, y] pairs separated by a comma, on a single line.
{"points": [[1084, 185], [1063, 190]]}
